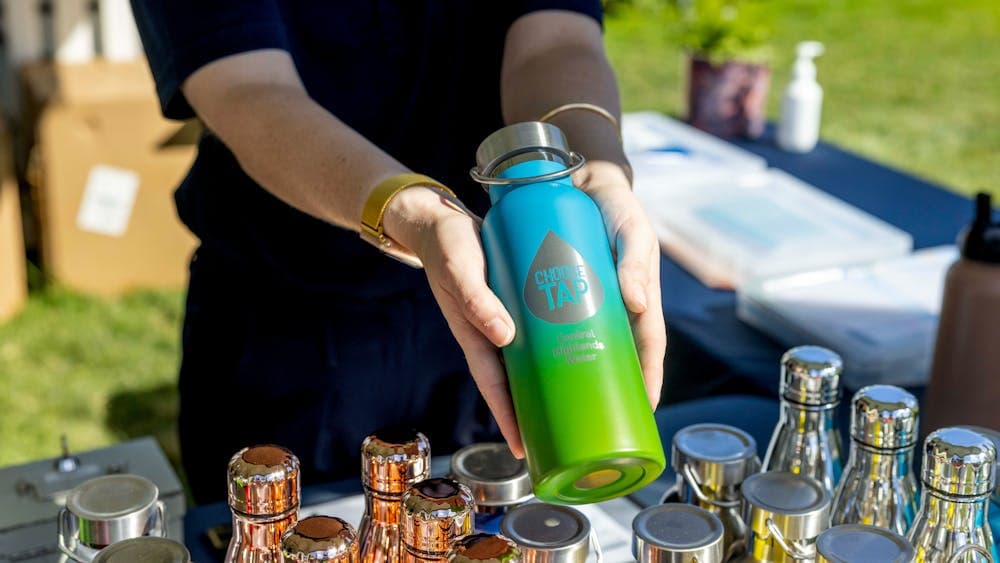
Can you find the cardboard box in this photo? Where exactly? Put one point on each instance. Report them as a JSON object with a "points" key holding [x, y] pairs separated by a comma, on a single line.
{"points": [[103, 174], [13, 277]]}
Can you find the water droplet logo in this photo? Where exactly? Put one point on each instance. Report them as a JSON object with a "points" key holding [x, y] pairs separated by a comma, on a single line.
{"points": [[561, 287]]}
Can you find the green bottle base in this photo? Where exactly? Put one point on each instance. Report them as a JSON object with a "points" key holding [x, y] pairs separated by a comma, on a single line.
{"points": [[598, 480]]}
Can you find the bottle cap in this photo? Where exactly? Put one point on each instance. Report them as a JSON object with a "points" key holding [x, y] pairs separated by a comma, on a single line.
{"points": [[960, 462], [993, 435], [492, 473], [548, 532], [810, 375], [435, 513], [264, 481], [677, 532], [146, 549], [111, 508], [718, 454], [487, 548], [805, 52], [529, 140], [321, 538], [884, 417], [858, 543], [393, 459], [798, 505], [980, 241]]}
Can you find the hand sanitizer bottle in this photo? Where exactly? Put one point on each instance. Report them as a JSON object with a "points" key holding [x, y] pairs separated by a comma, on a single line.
{"points": [[798, 128]]}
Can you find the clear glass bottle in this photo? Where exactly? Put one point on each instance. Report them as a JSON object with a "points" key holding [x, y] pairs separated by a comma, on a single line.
{"points": [[860, 543], [674, 532], [436, 513], [958, 473], [321, 538], [264, 493], [806, 440], [392, 461], [785, 514], [498, 481], [485, 548], [878, 487]]}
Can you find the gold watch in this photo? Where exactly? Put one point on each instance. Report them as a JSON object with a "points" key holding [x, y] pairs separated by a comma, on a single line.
{"points": [[372, 230]]}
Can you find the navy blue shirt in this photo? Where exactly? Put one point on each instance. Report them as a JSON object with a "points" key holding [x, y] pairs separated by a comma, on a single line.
{"points": [[420, 79]]}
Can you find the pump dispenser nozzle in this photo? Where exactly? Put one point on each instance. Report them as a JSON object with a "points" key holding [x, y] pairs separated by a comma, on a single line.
{"points": [[798, 128]]}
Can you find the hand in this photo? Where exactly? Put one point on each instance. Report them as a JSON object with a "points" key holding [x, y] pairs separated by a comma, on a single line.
{"points": [[637, 255], [446, 239]]}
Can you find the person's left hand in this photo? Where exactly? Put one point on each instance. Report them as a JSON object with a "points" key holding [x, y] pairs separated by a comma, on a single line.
{"points": [[637, 255]]}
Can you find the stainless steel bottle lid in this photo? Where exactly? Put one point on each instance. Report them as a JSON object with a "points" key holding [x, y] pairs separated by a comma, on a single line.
{"points": [[435, 513], [858, 543], [108, 509], [485, 548], [393, 459], [541, 140], [264, 480], [993, 435], [798, 505], [548, 532], [321, 538], [885, 417], [810, 375], [718, 454], [958, 461], [144, 550], [492, 473], [677, 532]]}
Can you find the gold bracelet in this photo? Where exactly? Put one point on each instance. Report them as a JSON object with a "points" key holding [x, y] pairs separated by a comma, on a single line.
{"points": [[584, 106]]}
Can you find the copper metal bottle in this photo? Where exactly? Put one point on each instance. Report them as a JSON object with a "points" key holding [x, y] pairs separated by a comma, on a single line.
{"points": [[321, 538], [392, 461], [436, 513], [485, 548], [264, 493]]}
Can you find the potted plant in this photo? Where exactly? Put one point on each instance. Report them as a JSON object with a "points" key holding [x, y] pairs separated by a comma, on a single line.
{"points": [[726, 47]]}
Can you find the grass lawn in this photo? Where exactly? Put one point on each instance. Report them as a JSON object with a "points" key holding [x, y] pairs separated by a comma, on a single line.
{"points": [[915, 84]]}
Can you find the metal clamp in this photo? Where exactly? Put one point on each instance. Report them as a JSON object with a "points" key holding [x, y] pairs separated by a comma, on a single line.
{"points": [[789, 546], [971, 547], [695, 485], [576, 162], [595, 543]]}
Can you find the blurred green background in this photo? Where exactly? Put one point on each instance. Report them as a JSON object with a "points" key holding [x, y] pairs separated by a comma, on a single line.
{"points": [[912, 84]]}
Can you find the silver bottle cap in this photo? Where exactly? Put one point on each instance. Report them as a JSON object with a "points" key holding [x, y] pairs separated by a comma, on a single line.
{"points": [[884, 417], [798, 505], [858, 543], [675, 532], [719, 454], [548, 533], [538, 139], [492, 473], [810, 375], [108, 509], [993, 435], [958, 461], [144, 550]]}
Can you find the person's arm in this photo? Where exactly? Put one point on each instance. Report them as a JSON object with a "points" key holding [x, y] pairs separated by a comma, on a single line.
{"points": [[552, 58]]}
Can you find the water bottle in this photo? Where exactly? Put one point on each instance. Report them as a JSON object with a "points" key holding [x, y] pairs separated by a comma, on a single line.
{"points": [[878, 487], [859, 543], [785, 514], [806, 439], [674, 532], [575, 380]]}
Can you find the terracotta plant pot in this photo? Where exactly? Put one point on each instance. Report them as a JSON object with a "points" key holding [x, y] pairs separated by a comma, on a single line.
{"points": [[729, 99]]}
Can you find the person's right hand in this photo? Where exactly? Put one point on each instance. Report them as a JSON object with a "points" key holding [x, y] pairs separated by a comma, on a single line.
{"points": [[446, 238]]}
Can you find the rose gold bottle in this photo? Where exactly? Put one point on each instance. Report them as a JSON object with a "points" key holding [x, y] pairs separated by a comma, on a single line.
{"points": [[264, 492], [436, 513], [391, 462], [321, 538]]}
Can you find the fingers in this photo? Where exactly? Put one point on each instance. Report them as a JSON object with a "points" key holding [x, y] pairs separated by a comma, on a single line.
{"points": [[650, 333], [632, 247]]}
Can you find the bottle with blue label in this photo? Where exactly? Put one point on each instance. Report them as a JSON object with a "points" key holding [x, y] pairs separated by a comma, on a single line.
{"points": [[573, 369]]}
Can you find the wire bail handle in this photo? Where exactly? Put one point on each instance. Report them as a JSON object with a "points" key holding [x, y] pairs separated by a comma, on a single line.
{"points": [[695, 484], [789, 546], [968, 548], [576, 162]]}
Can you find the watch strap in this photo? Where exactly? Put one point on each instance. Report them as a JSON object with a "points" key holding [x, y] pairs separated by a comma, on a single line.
{"points": [[378, 200]]}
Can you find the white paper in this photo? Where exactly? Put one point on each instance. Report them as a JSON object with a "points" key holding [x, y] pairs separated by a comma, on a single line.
{"points": [[107, 201]]}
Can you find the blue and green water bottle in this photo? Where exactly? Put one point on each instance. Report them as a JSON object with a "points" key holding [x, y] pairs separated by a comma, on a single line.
{"points": [[574, 374]]}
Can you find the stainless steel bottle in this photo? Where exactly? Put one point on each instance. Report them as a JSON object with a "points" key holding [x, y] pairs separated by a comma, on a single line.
{"points": [[806, 440], [859, 543], [711, 461], [958, 474], [548, 533], [321, 538], [677, 533], [878, 486], [486, 548], [436, 513], [785, 512], [264, 493], [144, 549], [498, 481], [995, 499], [105, 510], [392, 461]]}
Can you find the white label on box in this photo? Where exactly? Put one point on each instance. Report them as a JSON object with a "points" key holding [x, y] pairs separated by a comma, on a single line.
{"points": [[107, 201]]}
